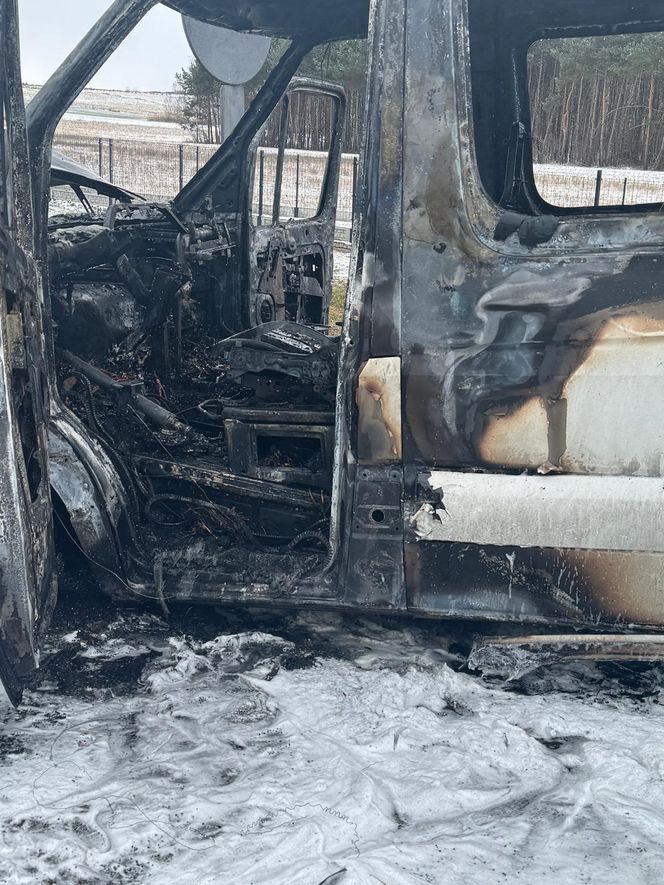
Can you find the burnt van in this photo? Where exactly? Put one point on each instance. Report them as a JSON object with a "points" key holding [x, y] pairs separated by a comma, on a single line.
{"points": [[482, 438]]}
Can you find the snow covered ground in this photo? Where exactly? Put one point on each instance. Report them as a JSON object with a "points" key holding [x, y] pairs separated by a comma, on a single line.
{"points": [[302, 749], [567, 185], [118, 102], [121, 114], [151, 166]]}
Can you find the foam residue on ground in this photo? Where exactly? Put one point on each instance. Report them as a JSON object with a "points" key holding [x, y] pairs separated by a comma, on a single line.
{"points": [[295, 749]]}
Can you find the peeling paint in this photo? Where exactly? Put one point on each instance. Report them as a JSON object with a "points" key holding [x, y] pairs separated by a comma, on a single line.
{"points": [[379, 409]]}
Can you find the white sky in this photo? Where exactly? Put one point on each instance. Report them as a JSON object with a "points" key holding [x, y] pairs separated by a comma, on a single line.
{"points": [[148, 59]]}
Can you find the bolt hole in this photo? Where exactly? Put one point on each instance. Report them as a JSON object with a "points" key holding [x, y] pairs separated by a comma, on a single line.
{"points": [[378, 515]]}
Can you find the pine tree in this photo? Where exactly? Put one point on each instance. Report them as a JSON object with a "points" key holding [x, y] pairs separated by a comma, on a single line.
{"points": [[199, 102], [344, 63]]}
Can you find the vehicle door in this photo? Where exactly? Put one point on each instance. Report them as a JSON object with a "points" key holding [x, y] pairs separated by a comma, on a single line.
{"points": [[27, 576], [531, 320], [294, 206]]}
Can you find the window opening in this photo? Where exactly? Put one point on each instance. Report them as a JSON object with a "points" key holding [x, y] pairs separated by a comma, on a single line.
{"points": [[597, 119]]}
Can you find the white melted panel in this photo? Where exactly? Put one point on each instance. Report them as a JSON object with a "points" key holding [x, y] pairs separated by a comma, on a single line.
{"points": [[378, 763], [517, 439], [557, 511], [613, 403], [615, 419]]}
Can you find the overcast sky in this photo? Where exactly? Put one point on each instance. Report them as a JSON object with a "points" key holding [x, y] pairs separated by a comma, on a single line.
{"points": [[148, 59]]}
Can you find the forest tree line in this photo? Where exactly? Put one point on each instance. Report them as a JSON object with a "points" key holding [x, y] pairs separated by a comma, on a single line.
{"points": [[310, 120], [598, 101], [595, 101]]}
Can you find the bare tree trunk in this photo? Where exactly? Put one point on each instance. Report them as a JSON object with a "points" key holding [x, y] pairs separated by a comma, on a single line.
{"points": [[648, 124], [616, 113]]}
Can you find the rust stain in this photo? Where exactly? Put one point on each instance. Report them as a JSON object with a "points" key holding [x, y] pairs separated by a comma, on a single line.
{"points": [[378, 400]]}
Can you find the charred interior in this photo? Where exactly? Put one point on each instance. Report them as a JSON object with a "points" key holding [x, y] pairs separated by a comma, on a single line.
{"points": [[224, 440], [191, 342]]}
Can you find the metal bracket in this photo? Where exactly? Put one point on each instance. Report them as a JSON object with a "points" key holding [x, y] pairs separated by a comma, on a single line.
{"points": [[375, 571]]}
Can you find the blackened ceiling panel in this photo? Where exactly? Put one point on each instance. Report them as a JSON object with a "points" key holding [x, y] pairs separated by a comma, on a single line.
{"points": [[321, 20], [522, 21]]}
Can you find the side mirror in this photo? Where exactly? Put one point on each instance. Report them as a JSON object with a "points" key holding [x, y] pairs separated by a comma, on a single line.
{"points": [[231, 57]]}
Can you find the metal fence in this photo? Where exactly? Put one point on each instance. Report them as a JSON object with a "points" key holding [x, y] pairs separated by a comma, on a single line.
{"points": [[158, 170], [583, 186]]}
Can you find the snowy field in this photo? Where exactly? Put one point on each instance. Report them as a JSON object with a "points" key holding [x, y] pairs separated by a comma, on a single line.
{"points": [[308, 749], [147, 145], [114, 113], [118, 102], [575, 185], [148, 139]]}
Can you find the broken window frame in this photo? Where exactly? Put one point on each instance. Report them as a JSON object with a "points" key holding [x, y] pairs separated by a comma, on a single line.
{"points": [[299, 86]]}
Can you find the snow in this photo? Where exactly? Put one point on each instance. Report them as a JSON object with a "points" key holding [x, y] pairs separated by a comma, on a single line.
{"points": [[119, 120], [341, 260], [144, 117], [567, 185], [129, 102], [121, 114], [64, 202], [287, 749]]}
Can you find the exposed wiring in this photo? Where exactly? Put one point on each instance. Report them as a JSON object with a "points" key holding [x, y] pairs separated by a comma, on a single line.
{"points": [[309, 536], [131, 483], [90, 409], [228, 518]]}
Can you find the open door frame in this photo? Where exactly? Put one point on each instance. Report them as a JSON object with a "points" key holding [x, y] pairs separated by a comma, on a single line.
{"points": [[28, 585], [295, 248]]}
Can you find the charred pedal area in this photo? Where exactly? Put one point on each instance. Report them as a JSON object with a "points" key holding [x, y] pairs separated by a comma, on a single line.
{"points": [[222, 440]]}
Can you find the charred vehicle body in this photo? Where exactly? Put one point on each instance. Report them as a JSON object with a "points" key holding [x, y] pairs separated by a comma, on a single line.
{"points": [[483, 439]]}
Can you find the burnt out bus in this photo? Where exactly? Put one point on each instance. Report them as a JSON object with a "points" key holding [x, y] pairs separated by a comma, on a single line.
{"points": [[483, 440]]}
